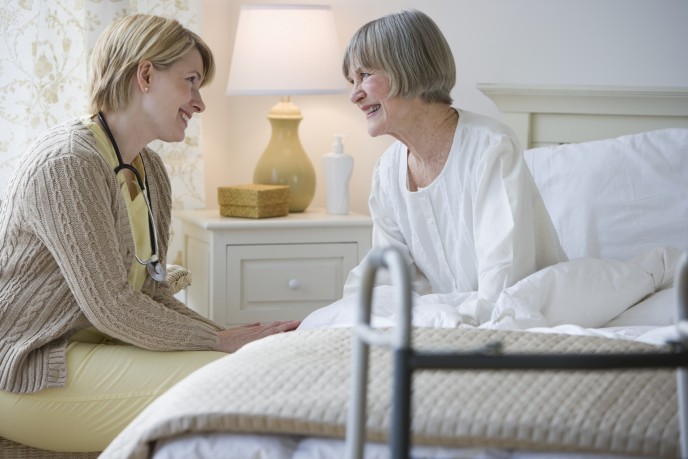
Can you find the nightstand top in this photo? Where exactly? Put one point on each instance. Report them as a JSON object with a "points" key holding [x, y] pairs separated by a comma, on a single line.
{"points": [[312, 217]]}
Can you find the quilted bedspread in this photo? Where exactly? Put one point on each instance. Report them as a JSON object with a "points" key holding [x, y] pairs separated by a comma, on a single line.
{"points": [[299, 384]]}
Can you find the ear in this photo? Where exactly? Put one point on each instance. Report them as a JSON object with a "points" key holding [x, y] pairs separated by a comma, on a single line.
{"points": [[143, 75]]}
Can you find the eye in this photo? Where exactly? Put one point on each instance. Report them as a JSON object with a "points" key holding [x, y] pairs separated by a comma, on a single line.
{"points": [[359, 76], [195, 79]]}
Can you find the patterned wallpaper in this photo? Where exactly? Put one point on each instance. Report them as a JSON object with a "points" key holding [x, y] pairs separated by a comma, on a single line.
{"points": [[44, 53]]}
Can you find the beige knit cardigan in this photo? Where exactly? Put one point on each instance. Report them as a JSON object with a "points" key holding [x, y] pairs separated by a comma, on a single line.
{"points": [[65, 250]]}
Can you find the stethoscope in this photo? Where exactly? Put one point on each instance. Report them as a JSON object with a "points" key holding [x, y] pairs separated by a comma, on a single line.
{"points": [[153, 265]]}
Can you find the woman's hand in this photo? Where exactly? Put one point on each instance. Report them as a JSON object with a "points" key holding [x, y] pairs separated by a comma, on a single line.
{"points": [[232, 339]]}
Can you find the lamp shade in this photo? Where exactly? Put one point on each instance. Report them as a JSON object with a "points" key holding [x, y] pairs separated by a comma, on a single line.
{"points": [[285, 50]]}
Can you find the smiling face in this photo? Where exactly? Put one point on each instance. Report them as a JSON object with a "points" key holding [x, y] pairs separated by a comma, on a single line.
{"points": [[370, 92], [173, 96]]}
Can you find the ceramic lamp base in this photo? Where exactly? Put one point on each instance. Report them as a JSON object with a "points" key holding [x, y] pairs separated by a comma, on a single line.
{"points": [[284, 161]]}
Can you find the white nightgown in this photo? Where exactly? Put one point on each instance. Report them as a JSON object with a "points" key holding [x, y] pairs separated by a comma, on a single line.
{"points": [[478, 228]]}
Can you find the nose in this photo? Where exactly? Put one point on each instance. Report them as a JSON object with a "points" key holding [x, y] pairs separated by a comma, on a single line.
{"points": [[197, 102], [356, 93]]}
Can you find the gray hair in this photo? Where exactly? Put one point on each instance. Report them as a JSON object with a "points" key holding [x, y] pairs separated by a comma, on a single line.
{"points": [[410, 48]]}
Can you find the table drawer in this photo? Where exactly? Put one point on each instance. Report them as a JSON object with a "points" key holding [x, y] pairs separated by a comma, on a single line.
{"points": [[284, 281]]}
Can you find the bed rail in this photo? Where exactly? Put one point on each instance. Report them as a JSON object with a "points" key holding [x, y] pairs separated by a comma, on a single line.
{"points": [[407, 360]]}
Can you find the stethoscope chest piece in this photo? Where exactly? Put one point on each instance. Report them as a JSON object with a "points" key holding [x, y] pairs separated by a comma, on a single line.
{"points": [[156, 271]]}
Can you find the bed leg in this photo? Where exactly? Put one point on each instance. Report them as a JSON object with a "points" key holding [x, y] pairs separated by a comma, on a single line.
{"points": [[399, 342], [682, 381], [401, 406], [356, 423], [682, 373], [363, 336]]}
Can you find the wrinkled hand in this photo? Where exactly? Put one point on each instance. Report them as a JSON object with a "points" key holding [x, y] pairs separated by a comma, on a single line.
{"points": [[232, 339]]}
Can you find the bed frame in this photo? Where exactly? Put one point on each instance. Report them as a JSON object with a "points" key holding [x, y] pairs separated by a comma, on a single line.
{"points": [[540, 116], [550, 115]]}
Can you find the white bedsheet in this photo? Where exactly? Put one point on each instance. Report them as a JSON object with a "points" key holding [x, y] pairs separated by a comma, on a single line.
{"points": [[219, 446]]}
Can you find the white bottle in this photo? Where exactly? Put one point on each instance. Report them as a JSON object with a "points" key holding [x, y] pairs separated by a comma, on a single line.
{"points": [[338, 167]]}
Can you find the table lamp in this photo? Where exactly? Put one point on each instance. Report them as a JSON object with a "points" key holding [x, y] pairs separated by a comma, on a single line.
{"points": [[286, 50]]}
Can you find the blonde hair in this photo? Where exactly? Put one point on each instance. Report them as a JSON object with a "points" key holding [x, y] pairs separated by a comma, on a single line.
{"points": [[127, 42], [410, 48]]}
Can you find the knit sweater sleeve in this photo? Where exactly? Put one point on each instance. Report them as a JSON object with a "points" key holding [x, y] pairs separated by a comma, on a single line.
{"points": [[72, 208], [161, 196]]}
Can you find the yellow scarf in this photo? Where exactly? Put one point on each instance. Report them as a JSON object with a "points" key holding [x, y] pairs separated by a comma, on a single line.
{"points": [[136, 205]]}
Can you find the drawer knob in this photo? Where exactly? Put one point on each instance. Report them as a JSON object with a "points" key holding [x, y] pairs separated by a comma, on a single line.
{"points": [[294, 284]]}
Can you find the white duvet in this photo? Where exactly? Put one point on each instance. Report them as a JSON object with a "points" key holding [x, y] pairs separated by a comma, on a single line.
{"points": [[580, 294]]}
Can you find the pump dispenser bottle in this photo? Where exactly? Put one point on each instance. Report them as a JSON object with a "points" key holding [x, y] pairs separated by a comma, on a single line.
{"points": [[338, 167]]}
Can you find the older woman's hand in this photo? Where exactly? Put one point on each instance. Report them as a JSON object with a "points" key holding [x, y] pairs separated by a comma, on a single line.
{"points": [[232, 339]]}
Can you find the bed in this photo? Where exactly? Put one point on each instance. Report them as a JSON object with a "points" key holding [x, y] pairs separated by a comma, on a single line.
{"points": [[287, 396]]}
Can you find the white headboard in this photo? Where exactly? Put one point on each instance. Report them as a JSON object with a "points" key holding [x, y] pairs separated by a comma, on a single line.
{"points": [[546, 115]]}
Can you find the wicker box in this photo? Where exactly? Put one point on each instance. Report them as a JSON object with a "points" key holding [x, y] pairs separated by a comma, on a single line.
{"points": [[253, 200]]}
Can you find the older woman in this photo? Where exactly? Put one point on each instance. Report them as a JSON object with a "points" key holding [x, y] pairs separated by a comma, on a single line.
{"points": [[83, 234], [454, 193]]}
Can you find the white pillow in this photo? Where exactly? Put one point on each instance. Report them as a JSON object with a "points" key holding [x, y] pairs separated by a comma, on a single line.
{"points": [[659, 309], [615, 198], [588, 292]]}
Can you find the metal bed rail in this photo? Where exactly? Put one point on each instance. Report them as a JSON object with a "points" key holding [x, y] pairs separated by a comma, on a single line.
{"points": [[406, 360]]}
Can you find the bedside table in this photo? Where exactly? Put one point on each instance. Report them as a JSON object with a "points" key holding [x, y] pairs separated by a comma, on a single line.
{"points": [[259, 270]]}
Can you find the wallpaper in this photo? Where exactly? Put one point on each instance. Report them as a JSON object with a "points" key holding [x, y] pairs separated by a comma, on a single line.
{"points": [[44, 53]]}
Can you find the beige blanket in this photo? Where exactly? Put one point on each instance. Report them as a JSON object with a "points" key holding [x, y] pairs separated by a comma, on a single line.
{"points": [[299, 383]]}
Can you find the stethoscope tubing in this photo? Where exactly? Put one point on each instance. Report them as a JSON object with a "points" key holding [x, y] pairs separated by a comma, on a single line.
{"points": [[151, 220], [155, 268]]}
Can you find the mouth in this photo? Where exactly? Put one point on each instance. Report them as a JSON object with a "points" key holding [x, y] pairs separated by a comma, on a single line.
{"points": [[369, 110], [184, 116]]}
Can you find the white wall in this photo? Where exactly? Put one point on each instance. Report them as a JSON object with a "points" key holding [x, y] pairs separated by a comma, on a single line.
{"points": [[553, 42]]}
